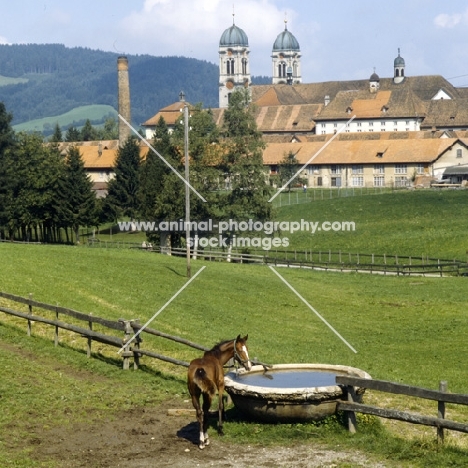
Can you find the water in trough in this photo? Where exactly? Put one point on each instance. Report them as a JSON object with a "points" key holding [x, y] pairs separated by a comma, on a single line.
{"points": [[289, 392]]}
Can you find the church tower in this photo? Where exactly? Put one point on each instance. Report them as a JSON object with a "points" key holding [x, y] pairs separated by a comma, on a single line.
{"points": [[234, 67], [286, 56], [399, 69]]}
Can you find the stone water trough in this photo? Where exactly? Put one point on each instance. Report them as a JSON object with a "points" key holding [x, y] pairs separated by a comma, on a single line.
{"points": [[287, 393]]}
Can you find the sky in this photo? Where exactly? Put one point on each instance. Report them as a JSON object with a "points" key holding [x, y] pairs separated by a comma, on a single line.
{"points": [[339, 39]]}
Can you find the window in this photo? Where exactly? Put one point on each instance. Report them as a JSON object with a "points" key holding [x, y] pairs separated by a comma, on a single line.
{"points": [[401, 181], [359, 124], [282, 70], [357, 169], [244, 66], [420, 168], [371, 124], [401, 169], [379, 181], [335, 169], [382, 124], [230, 66], [459, 153], [357, 181], [379, 169]]}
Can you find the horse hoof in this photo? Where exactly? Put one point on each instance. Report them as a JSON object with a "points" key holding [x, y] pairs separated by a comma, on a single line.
{"points": [[201, 446], [207, 441]]}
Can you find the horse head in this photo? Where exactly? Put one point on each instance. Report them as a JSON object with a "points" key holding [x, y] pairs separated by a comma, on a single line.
{"points": [[241, 353]]}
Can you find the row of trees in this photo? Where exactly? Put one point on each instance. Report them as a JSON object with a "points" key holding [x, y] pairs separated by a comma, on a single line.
{"points": [[44, 194]]}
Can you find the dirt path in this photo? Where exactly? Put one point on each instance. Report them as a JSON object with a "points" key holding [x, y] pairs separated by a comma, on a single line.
{"points": [[150, 437]]}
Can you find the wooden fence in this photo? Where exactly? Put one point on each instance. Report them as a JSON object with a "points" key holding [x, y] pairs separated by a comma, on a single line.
{"points": [[336, 261], [126, 329], [442, 396]]}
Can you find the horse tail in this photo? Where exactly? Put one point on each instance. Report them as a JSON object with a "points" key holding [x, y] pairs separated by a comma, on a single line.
{"points": [[204, 382]]}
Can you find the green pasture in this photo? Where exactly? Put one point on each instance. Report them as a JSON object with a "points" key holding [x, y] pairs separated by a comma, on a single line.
{"points": [[417, 223], [95, 112], [405, 329], [409, 330], [8, 80]]}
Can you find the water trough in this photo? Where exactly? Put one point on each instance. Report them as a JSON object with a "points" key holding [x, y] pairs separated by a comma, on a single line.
{"points": [[287, 393]]}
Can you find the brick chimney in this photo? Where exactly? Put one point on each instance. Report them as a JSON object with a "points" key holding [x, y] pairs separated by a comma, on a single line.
{"points": [[124, 99]]}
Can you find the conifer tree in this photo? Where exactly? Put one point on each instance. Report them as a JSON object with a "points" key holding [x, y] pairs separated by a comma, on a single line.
{"points": [[122, 196], [57, 136], [7, 143], [243, 162], [78, 201]]}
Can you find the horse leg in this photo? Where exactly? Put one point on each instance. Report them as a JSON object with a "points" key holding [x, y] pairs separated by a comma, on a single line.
{"points": [[206, 412], [196, 405], [220, 408]]}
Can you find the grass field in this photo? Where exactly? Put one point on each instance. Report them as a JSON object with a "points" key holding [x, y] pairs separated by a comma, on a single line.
{"points": [[405, 329], [426, 223], [93, 113]]}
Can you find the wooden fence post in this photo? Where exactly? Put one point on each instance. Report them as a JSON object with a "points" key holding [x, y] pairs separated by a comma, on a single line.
{"points": [[128, 333], [88, 350], [56, 337], [441, 411], [351, 415], [30, 313], [136, 346]]}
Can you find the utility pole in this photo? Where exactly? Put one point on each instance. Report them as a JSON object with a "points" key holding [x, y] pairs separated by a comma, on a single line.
{"points": [[187, 186]]}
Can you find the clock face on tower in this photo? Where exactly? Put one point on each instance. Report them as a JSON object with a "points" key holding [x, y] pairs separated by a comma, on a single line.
{"points": [[229, 85]]}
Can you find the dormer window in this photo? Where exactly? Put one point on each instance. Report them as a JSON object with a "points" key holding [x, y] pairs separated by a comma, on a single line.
{"points": [[384, 109], [349, 110]]}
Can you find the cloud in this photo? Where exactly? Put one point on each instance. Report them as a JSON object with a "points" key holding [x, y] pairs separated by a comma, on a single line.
{"points": [[193, 27], [446, 21]]}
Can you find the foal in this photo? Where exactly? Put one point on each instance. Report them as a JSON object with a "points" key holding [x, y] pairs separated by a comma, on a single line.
{"points": [[206, 375]]}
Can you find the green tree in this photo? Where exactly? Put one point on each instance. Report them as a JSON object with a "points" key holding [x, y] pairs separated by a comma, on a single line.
{"points": [[287, 167], [57, 136], [78, 201], [243, 162], [7, 143], [34, 172], [88, 132], [122, 193], [110, 131], [72, 135]]}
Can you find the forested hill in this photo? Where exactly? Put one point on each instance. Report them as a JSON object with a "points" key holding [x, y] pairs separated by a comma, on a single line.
{"points": [[38, 81]]}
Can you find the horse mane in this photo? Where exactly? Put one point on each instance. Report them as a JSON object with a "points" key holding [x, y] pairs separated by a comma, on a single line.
{"points": [[216, 349]]}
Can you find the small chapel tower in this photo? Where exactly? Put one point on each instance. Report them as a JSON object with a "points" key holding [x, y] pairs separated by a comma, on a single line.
{"points": [[399, 69]]}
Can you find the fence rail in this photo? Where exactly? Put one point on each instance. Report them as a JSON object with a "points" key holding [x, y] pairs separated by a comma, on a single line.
{"points": [[127, 328], [442, 396], [336, 261]]}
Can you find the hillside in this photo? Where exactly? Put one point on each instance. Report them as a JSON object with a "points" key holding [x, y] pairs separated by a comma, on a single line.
{"points": [[56, 79], [40, 81]]}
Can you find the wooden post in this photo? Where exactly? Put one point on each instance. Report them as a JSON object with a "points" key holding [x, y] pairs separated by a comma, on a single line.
{"points": [[88, 349], [136, 347], [351, 415], [56, 338], [441, 411], [128, 333], [30, 313]]}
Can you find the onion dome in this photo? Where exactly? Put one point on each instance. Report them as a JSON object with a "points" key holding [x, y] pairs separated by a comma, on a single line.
{"points": [[399, 61], [234, 36], [286, 41]]}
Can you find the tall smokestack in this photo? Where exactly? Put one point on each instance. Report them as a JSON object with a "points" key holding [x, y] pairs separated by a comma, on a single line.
{"points": [[124, 99]]}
